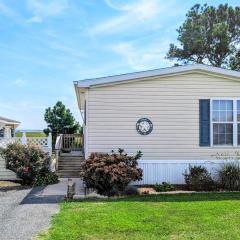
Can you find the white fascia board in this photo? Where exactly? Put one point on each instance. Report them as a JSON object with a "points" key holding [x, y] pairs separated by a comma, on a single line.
{"points": [[10, 123], [157, 72]]}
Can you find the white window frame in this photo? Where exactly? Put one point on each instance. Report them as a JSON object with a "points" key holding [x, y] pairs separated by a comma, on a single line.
{"points": [[235, 122]]}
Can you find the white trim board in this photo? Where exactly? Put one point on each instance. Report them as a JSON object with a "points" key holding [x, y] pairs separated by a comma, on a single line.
{"points": [[170, 161], [86, 128], [156, 72]]}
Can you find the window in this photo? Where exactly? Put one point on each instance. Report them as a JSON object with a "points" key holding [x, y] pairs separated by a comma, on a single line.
{"points": [[2, 133], [225, 122], [222, 118], [238, 120]]}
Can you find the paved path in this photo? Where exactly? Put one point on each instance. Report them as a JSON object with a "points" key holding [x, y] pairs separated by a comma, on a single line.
{"points": [[26, 212]]}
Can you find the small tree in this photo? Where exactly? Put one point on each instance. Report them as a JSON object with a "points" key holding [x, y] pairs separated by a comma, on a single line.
{"points": [[109, 174], [60, 120]]}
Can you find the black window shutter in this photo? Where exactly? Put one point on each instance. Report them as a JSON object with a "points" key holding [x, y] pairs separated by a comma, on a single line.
{"points": [[2, 132], [85, 112], [204, 122]]}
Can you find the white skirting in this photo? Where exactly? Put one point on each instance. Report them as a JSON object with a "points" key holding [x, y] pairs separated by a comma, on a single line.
{"points": [[158, 171]]}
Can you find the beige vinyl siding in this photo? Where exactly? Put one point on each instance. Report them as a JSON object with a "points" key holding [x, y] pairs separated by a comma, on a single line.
{"points": [[171, 103], [6, 174]]}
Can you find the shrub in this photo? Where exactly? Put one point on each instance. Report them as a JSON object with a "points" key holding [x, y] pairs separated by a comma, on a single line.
{"points": [[45, 177], [131, 191], [199, 179], [164, 187], [229, 176], [109, 174], [25, 160]]}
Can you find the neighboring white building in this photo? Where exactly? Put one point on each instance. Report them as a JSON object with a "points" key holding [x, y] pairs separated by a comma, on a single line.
{"points": [[7, 135], [7, 132], [176, 116], [7, 128]]}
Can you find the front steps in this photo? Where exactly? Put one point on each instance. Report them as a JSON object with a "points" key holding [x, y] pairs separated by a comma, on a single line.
{"points": [[69, 165]]}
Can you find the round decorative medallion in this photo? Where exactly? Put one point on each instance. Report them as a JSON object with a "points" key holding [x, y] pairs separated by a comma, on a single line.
{"points": [[144, 126]]}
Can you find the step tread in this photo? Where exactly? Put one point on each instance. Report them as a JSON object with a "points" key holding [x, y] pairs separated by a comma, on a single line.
{"points": [[68, 169], [71, 156], [74, 167], [61, 171], [70, 160], [69, 165]]}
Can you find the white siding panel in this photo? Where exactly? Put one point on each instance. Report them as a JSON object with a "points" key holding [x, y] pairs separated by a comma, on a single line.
{"points": [[171, 171], [172, 104]]}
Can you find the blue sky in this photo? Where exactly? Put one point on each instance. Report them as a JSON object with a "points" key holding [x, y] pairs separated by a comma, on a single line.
{"points": [[45, 45]]}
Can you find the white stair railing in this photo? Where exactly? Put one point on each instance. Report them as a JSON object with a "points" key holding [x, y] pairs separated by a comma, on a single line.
{"points": [[58, 148]]}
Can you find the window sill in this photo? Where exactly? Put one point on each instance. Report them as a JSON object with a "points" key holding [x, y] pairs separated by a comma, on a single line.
{"points": [[225, 146]]}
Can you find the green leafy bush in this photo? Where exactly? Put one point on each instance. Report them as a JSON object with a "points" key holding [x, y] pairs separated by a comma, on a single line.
{"points": [[45, 177], [164, 187], [27, 161], [229, 173], [199, 179], [229, 176], [131, 191], [109, 174]]}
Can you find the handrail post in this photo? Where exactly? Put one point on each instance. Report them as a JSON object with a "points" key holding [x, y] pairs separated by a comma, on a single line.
{"points": [[58, 148], [57, 158], [50, 143]]}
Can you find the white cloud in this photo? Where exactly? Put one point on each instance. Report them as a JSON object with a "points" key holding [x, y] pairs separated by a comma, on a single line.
{"points": [[4, 9], [132, 14], [139, 58], [35, 19], [69, 51], [19, 82], [46, 8]]}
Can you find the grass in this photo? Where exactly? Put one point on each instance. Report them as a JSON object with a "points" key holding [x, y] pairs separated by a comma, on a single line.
{"points": [[183, 216], [31, 134], [4, 184]]}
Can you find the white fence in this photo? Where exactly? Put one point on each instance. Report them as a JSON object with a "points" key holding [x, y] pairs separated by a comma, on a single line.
{"points": [[158, 171], [43, 142]]}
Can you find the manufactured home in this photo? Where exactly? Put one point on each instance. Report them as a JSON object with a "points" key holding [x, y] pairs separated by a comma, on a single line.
{"points": [[176, 116]]}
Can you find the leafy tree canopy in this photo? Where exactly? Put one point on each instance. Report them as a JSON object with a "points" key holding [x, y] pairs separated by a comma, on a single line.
{"points": [[60, 120], [209, 35]]}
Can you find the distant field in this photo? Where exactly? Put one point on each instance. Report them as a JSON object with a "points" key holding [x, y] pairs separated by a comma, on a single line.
{"points": [[31, 134]]}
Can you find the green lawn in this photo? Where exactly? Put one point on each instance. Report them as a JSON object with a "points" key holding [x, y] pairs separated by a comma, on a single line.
{"points": [[184, 216], [31, 134]]}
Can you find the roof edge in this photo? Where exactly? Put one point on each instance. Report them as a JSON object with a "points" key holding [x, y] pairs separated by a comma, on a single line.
{"points": [[8, 121], [155, 72]]}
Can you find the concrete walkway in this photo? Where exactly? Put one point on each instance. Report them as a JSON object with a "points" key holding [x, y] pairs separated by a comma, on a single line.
{"points": [[24, 213]]}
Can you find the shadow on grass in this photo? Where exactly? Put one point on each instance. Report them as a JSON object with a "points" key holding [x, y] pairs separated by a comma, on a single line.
{"points": [[181, 197]]}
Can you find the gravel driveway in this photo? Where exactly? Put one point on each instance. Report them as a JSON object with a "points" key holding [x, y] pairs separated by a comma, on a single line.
{"points": [[26, 212]]}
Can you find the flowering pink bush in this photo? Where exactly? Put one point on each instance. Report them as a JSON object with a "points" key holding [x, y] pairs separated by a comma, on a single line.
{"points": [[109, 174], [25, 160]]}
